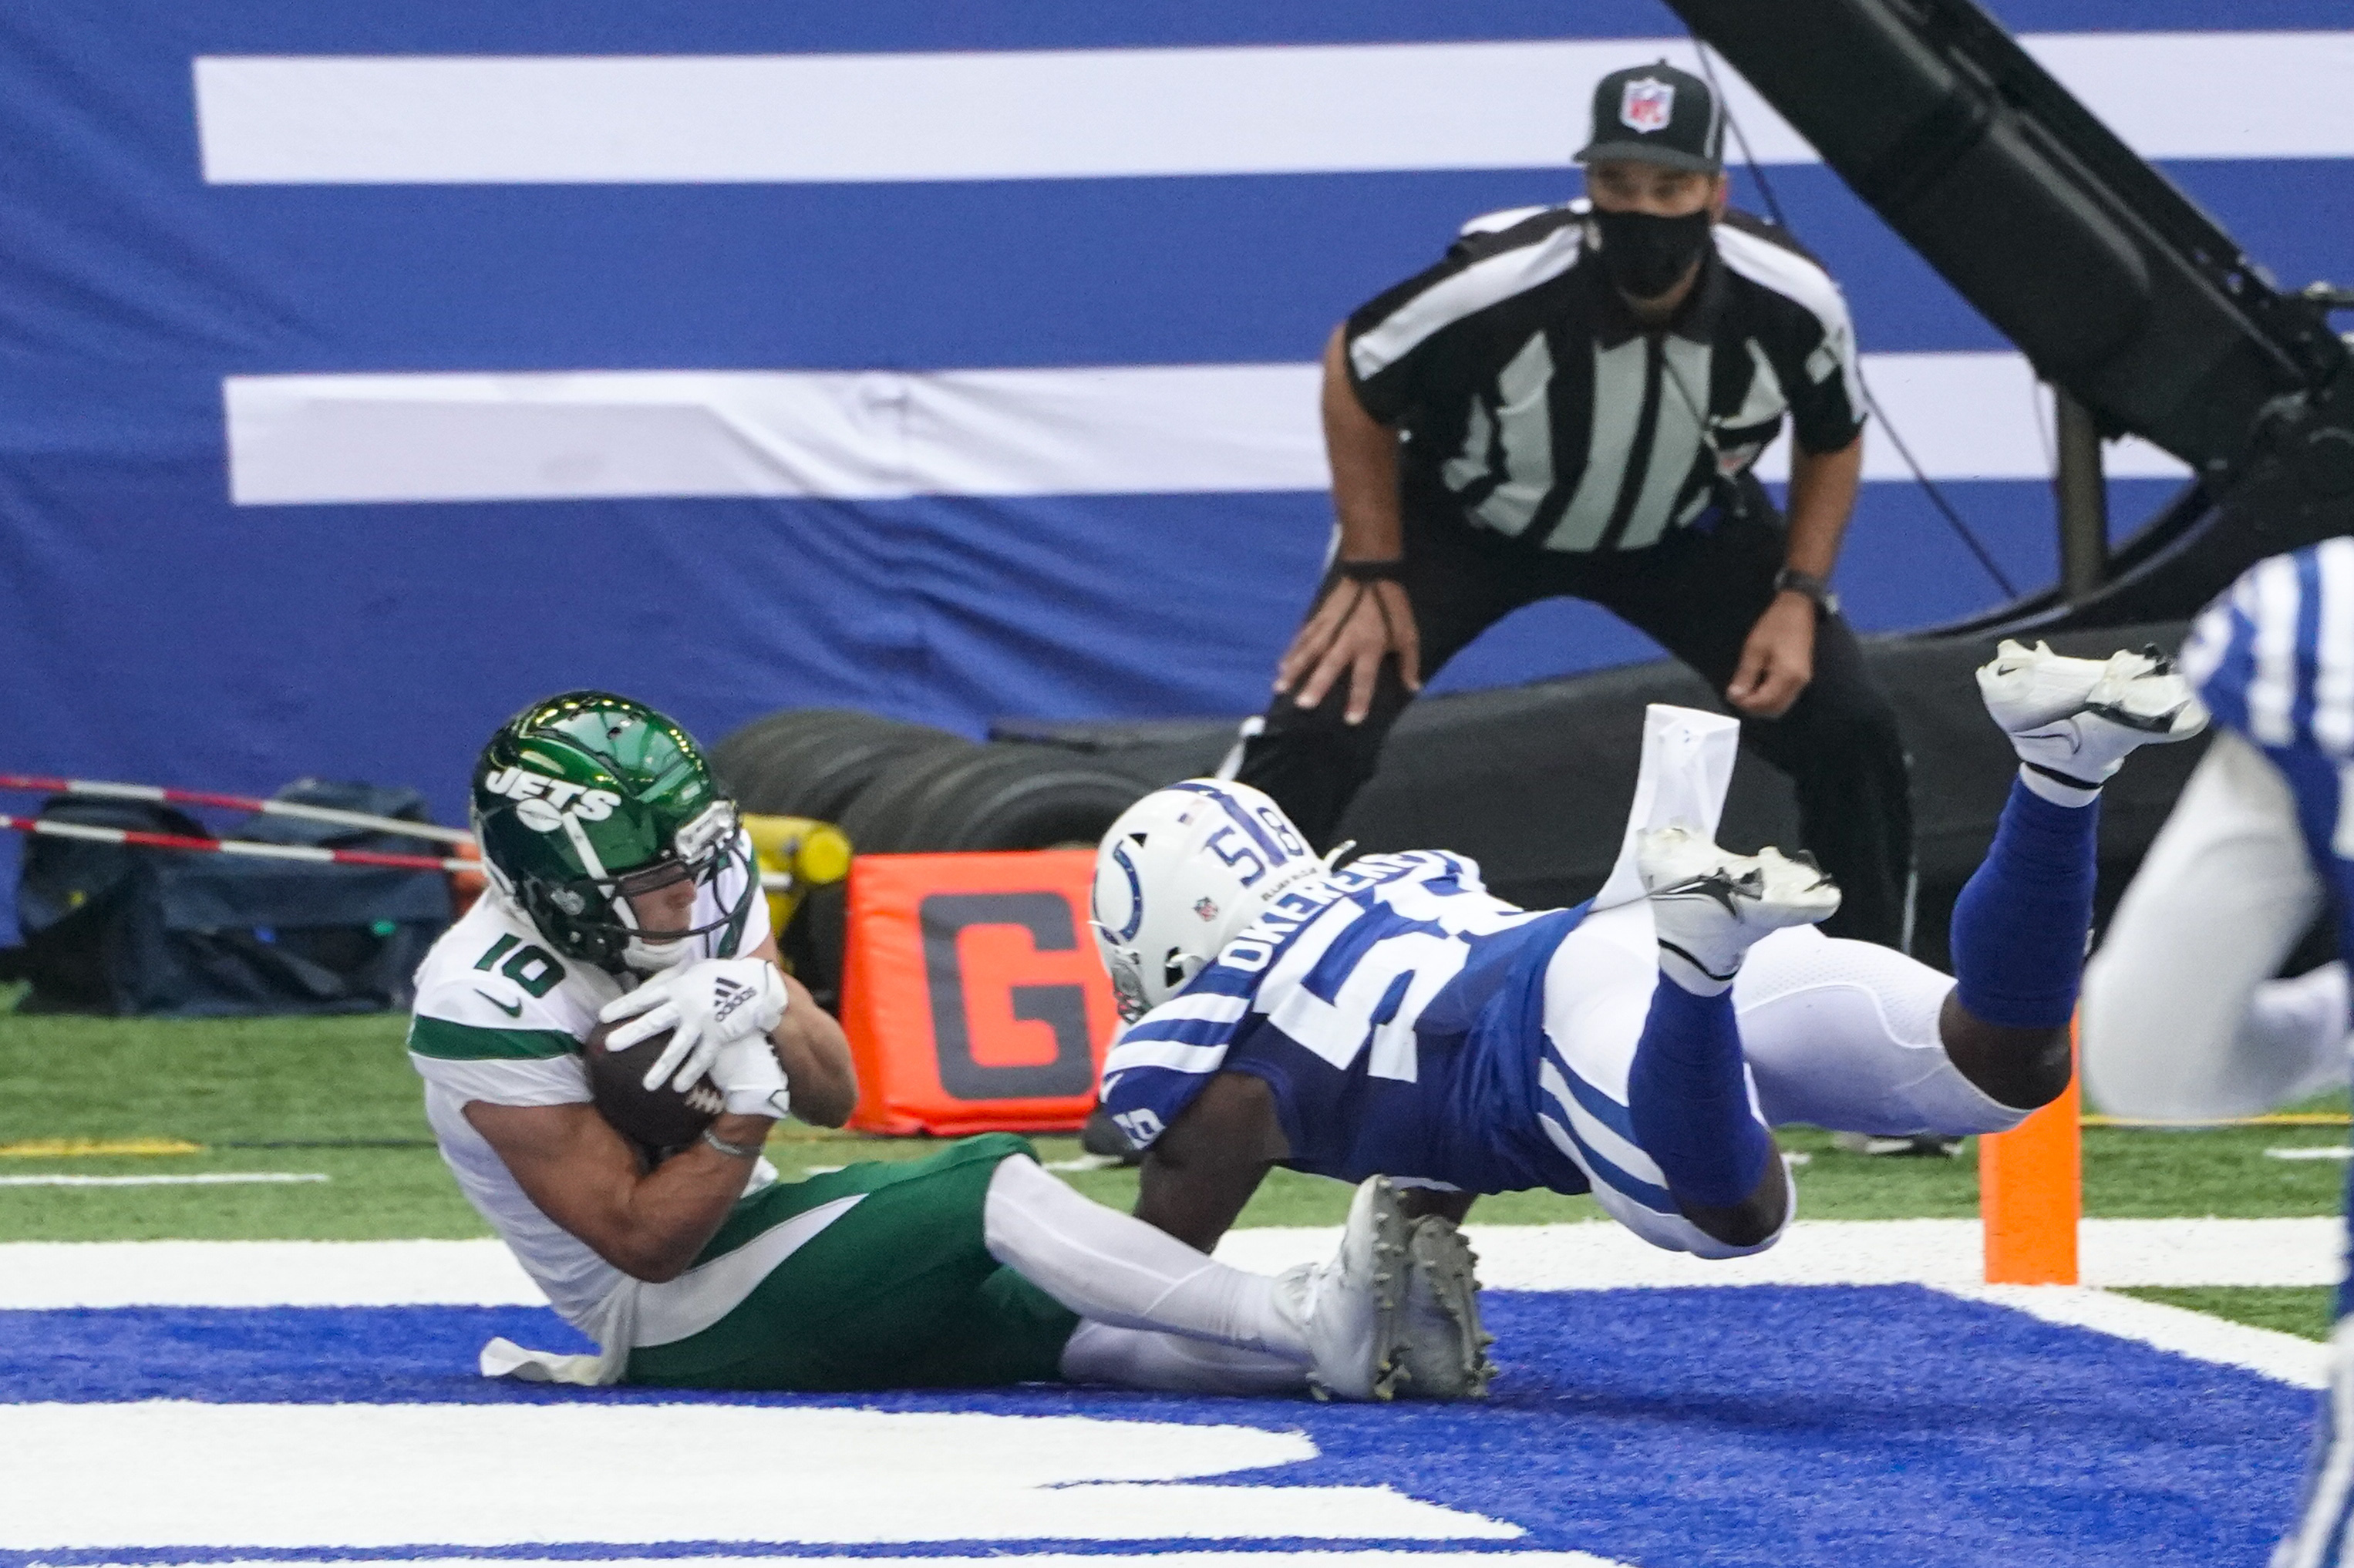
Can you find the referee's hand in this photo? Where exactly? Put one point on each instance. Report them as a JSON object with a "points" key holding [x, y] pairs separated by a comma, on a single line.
{"points": [[1779, 658], [1356, 627]]}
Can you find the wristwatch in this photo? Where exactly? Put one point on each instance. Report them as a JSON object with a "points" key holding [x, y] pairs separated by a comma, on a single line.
{"points": [[1790, 579]]}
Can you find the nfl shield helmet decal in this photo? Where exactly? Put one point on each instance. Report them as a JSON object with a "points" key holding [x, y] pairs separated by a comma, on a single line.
{"points": [[1647, 104]]}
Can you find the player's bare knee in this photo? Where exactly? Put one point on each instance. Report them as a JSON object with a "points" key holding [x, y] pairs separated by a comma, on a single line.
{"points": [[2021, 1068]]}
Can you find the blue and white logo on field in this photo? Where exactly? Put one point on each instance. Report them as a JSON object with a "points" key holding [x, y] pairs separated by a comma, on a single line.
{"points": [[1764, 1422]]}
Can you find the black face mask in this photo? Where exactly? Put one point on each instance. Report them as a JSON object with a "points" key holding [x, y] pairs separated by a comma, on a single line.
{"points": [[1646, 255]]}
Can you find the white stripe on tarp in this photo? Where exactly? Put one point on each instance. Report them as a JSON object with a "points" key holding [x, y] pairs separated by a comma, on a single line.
{"points": [[878, 435], [1077, 113]]}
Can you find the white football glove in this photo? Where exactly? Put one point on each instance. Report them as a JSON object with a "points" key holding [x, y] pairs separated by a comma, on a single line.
{"points": [[751, 1078], [707, 1005]]}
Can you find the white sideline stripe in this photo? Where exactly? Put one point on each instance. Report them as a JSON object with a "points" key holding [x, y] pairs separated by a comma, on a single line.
{"points": [[1943, 1253], [1080, 113], [207, 1178], [44, 1275], [2326, 1151], [1026, 1559], [1597, 1256], [887, 435], [2285, 1358]]}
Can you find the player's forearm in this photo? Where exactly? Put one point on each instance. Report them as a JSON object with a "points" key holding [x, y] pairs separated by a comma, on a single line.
{"points": [[670, 1214], [649, 1224], [1363, 454], [816, 1058], [1822, 497], [815, 1055]]}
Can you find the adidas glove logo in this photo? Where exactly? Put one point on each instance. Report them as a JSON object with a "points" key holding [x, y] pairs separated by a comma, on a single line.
{"points": [[731, 996]]}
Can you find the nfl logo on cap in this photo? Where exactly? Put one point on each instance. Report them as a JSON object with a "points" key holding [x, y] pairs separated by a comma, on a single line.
{"points": [[1647, 104]]}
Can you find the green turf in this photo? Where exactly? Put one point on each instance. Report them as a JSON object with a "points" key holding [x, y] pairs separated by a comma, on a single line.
{"points": [[340, 1080], [2300, 1310]]}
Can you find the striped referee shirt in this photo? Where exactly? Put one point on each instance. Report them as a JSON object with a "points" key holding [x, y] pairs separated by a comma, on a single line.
{"points": [[1535, 404]]}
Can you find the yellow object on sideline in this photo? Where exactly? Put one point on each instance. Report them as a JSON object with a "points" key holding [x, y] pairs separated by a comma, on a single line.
{"points": [[79, 1148], [812, 853]]}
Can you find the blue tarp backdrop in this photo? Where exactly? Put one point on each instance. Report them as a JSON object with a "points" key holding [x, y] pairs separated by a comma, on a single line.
{"points": [[374, 591]]}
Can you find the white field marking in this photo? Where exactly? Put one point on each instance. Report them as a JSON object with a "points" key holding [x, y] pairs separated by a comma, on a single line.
{"points": [[2326, 1152], [1588, 1256], [1605, 1257], [1082, 113], [1026, 1559], [202, 1179], [291, 1475], [43, 1275], [1084, 1162], [885, 435], [2285, 1358]]}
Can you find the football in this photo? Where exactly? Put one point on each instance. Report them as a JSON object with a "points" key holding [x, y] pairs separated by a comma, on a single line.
{"points": [[657, 1119]]}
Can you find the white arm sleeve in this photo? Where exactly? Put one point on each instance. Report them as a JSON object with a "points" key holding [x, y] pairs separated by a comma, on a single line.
{"points": [[2171, 1026]]}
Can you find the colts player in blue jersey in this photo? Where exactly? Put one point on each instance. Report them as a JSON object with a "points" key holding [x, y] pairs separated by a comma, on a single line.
{"points": [[1392, 1017], [2182, 1021]]}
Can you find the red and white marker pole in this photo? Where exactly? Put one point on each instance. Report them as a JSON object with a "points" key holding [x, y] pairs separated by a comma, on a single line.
{"points": [[94, 789], [310, 852], [455, 865]]}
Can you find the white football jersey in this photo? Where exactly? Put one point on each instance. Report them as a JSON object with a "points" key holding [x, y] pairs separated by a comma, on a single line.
{"points": [[500, 1018]]}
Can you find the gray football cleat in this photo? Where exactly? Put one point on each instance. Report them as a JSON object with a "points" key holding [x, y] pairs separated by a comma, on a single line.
{"points": [[1443, 1352], [1350, 1310], [1711, 905]]}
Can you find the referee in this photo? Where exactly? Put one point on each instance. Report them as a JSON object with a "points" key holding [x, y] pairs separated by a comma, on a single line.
{"points": [[1569, 403]]}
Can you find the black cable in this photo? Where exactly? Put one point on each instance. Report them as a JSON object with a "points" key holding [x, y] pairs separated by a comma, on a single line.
{"points": [[1872, 404]]}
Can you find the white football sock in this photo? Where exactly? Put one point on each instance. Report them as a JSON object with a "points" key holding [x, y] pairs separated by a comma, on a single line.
{"points": [[1112, 1268], [1171, 1363]]}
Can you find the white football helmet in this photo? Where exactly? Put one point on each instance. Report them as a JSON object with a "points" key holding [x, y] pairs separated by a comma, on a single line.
{"points": [[1180, 872]]}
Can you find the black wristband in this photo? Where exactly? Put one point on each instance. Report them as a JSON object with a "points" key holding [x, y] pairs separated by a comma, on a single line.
{"points": [[1390, 571]]}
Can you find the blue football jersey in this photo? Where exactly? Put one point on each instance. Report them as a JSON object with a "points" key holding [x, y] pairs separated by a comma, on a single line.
{"points": [[1396, 1009], [2272, 659]]}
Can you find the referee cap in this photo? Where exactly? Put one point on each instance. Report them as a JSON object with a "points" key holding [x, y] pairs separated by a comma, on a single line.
{"points": [[1656, 114]]}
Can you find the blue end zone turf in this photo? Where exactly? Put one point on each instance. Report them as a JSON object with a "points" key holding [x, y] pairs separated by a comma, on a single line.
{"points": [[1727, 1426]]}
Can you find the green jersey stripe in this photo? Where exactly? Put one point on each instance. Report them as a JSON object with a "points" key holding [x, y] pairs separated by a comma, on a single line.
{"points": [[468, 1043]]}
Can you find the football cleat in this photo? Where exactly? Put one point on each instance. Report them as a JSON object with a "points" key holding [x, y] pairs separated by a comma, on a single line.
{"points": [[1897, 1146], [1350, 1310], [2074, 720], [1443, 1348], [1711, 906]]}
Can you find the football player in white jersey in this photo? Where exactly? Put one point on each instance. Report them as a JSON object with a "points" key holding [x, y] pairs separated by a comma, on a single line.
{"points": [[1394, 1016], [2183, 1021], [622, 888]]}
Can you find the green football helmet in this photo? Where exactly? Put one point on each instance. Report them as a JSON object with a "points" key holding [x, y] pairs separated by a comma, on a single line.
{"points": [[583, 798]]}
